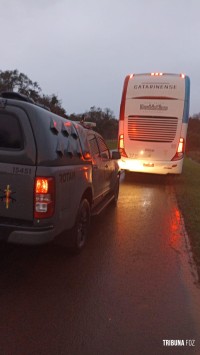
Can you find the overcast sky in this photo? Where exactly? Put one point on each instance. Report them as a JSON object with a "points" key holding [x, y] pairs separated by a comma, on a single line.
{"points": [[82, 50]]}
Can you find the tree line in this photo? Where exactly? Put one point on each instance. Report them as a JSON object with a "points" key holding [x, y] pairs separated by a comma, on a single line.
{"points": [[193, 134], [13, 80], [106, 123]]}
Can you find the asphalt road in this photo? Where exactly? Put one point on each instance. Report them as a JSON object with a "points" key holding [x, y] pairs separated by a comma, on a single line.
{"points": [[132, 288]]}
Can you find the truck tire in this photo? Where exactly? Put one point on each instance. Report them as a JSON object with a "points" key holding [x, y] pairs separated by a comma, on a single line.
{"points": [[81, 228]]}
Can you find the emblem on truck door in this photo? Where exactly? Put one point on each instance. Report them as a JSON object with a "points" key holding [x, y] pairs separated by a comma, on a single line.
{"points": [[7, 196]]}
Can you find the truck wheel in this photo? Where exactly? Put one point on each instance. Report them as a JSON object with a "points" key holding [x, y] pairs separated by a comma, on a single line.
{"points": [[81, 227]]}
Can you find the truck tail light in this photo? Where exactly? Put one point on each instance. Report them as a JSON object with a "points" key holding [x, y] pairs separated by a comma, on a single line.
{"points": [[44, 197], [180, 150], [121, 145]]}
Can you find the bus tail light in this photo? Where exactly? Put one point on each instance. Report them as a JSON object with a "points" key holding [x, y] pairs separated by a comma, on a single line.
{"points": [[121, 141], [44, 197], [180, 149], [121, 146], [180, 146]]}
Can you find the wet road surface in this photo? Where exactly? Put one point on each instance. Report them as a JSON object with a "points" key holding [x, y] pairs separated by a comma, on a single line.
{"points": [[130, 289]]}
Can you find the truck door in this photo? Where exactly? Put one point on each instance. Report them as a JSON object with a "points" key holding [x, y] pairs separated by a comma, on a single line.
{"points": [[97, 169], [17, 165], [106, 162]]}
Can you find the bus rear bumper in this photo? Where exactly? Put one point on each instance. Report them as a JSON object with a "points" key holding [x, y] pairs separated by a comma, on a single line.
{"points": [[151, 167]]}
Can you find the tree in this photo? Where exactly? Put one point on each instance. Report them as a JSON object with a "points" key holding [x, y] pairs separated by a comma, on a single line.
{"points": [[53, 104], [106, 124], [193, 134], [12, 80], [19, 82]]}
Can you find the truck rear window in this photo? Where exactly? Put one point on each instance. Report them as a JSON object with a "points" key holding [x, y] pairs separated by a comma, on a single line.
{"points": [[10, 132]]}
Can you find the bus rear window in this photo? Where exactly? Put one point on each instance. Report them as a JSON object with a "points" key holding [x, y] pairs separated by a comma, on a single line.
{"points": [[10, 132]]}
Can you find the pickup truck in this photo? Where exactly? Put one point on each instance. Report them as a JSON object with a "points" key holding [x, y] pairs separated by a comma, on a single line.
{"points": [[54, 175]]}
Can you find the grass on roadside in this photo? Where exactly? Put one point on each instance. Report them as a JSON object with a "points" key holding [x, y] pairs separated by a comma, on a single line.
{"points": [[194, 155], [187, 187]]}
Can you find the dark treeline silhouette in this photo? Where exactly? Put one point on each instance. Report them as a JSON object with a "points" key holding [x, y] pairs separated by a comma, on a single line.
{"points": [[12, 80], [193, 134], [106, 124]]}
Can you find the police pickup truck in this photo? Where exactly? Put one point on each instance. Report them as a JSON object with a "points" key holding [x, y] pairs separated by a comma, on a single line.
{"points": [[54, 174]]}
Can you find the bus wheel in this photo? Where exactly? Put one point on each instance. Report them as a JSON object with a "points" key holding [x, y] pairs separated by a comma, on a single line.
{"points": [[81, 228]]}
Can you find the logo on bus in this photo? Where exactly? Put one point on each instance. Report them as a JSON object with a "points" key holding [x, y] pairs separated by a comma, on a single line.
{"points": [[152, 107]]}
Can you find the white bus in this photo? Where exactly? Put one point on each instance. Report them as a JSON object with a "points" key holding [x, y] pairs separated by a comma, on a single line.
{"points": [[153, 122]]}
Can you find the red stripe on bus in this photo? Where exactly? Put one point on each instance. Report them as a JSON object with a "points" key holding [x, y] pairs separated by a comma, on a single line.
{"points": [[122, 106]]}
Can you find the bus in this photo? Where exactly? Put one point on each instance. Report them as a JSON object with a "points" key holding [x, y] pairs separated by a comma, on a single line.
{"points": [[153, 122]]}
